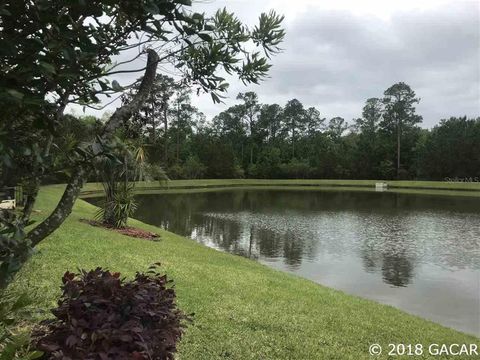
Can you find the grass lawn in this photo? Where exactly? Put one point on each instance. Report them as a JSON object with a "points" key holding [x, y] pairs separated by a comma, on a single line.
{"points": [[243, 310], [426, 187]]}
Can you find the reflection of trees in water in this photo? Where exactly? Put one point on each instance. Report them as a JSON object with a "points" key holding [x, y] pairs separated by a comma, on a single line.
{"points": [[392, 233], [224, 235], [270, 243], [391, 254], [293, 249], [243, 238], [171, 212], [397, 269], [247, 238]]}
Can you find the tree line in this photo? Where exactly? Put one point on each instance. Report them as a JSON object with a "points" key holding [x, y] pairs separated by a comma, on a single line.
{"points": [[256, 140]]}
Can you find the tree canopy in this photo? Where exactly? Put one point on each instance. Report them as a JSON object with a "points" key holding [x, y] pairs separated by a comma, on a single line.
{"points": [[56, 53]]}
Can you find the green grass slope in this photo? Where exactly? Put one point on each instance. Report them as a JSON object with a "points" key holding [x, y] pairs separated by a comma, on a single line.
{"points": [[418, 187], [243, 310]]}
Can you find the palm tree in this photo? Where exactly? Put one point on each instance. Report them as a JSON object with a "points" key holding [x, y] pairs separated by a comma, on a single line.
{"points": [[119, 175]]}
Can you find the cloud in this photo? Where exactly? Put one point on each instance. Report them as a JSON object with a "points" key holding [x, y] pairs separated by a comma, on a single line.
{"points": [[335, 60], [338, 54]]}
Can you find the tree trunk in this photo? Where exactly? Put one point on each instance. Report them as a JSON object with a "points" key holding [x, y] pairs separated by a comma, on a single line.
{"points": [[398, 148], [165, 124], [154, 132], [63, 209], [30, 201], [70, 195], [178, 145], [293, 143]]}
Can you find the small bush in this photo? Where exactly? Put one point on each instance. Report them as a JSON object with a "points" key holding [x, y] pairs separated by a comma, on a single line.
{"points": [[193, 168], [176, 172], [101, 316], [116, 210], [155, 172], [238, 172]]}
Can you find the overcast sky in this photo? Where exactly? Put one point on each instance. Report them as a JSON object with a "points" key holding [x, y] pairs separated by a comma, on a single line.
{"points": [[339, 53]]}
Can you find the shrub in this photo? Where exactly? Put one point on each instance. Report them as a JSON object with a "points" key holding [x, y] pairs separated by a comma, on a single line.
{"points": [[387, 169], [102, 316], [117, 208], [253, 171], [295, 169], [155, 172], [176, 172], [238, 172], [193, 168]]}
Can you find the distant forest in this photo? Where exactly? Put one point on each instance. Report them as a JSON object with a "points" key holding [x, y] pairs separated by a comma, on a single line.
{"points": [[255, 140]]}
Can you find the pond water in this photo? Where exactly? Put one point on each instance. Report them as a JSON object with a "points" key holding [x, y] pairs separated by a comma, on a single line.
{"points": [[416, 252]]}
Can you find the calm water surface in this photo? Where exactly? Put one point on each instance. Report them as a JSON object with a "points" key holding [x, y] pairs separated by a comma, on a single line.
{"points": [[418, 253]]}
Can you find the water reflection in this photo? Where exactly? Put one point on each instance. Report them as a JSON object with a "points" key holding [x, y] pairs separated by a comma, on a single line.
{"points": [[399, 249]]}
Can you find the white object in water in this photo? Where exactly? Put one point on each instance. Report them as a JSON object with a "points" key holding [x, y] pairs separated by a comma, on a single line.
{"points": [[7, 204], [381, 186]]}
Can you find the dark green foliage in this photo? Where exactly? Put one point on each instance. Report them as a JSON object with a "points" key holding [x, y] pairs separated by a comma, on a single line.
{"points": [[270, 141], [155, 172], [119, 206], [193, 168], [451, 149], [295, 169], [102, 316], [125, 164], [15, 340], [176, 172]]}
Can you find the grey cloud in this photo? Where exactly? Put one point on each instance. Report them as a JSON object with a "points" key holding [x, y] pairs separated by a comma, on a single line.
{"points": [[335, 60], [335, 57]]}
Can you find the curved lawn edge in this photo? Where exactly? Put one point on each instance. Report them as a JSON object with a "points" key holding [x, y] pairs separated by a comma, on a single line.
{"points": [[243, 310], [417, 187]]}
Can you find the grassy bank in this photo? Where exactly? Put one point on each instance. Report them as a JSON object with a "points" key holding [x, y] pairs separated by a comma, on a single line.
{"points": [[243, 310], [427, 187]]}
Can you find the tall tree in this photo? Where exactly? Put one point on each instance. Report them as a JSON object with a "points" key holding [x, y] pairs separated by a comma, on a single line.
{"points": [[400, 113], [294, 117], [184, 116], [270, 121], [368, 154], [250, 109], [336, 127], [314, 122], [230, 126], [372, 113], [155, 108]]}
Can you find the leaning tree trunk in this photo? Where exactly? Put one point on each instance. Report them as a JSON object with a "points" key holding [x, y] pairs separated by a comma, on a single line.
{"points": [[70, 195]]}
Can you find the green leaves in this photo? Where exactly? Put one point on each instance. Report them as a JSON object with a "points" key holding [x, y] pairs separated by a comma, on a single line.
{"points": [[15, 341], [184, 2], [116, 86], [17, 95], [48, 68], [205, 37], [225, 45], [269, 33]]}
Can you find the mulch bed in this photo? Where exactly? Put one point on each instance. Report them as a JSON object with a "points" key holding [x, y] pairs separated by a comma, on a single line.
{"points": [[129, 231]]}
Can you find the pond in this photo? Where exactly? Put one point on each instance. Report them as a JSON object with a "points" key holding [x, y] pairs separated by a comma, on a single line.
{"points": [[416, 252]]}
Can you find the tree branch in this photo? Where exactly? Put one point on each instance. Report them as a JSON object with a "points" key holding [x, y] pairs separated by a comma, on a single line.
{"points": [[70, 195]]}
